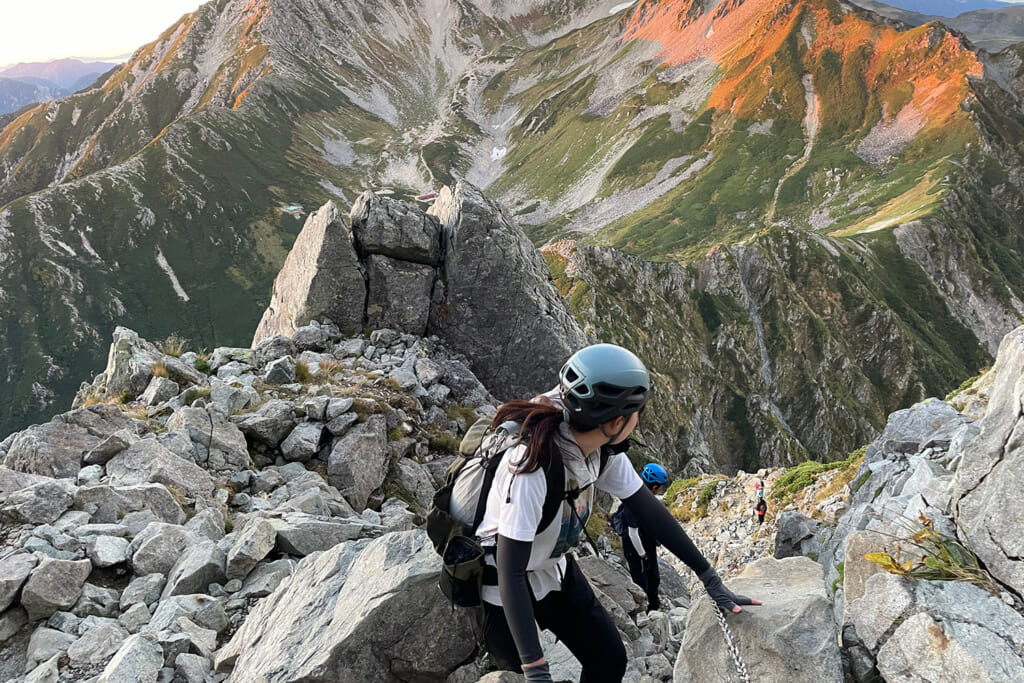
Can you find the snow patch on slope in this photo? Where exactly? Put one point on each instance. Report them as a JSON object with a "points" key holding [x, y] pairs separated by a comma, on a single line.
{"points": [[166, 267]]}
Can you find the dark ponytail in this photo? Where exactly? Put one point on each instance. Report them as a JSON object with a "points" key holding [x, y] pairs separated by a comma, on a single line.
{"points": [[540, 421]]}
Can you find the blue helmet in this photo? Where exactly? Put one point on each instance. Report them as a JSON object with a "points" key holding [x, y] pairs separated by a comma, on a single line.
{"points": [[602, 382], [654, 473]]}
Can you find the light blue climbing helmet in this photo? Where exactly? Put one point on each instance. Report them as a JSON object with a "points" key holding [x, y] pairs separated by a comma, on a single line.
{"points": [[602, 382], [653, 473]]}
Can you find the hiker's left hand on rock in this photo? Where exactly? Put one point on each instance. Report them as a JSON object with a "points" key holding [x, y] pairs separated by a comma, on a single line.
{"points": [[722, 596]]}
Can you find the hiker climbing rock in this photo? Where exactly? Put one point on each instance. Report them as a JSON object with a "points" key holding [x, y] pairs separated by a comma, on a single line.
{"points": [[531, 578], [639, 547], [760, 509], [759, 488]]}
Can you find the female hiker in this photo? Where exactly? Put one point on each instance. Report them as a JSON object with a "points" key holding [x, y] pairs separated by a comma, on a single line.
{"points": [[602, 390]]}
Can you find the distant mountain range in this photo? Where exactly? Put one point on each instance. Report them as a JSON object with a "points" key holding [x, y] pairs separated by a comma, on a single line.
{"points": [[991, 28], [24, 84], [946, 8]]}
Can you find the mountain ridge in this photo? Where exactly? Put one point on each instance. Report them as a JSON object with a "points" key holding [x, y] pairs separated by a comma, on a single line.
{"points": [[184, 162]]}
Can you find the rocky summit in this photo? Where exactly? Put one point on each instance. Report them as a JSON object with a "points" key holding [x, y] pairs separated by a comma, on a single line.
{"points": [[255, 513]]}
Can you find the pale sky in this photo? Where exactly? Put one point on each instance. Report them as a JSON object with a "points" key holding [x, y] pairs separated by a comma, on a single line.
{"points": [[42, 30]]}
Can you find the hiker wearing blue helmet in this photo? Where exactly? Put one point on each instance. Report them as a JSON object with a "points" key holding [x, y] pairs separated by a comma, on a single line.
{"points": [[532, 580], [639, 547]]}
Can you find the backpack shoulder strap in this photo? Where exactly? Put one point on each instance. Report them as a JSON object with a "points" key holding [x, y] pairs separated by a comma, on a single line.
{"points": [[556, 489], [555, 496], [508, 433]]}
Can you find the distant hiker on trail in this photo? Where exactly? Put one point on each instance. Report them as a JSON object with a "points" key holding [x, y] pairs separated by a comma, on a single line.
{"points": [[760, 509], [640, 549], [532, 580], [759, 488]]}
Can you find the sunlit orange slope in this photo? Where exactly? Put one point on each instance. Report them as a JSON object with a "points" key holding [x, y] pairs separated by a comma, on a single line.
{"points": [[927, 66]]}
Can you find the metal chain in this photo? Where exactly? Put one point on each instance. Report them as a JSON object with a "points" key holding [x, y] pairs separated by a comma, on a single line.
{"points": [[730, 642]]}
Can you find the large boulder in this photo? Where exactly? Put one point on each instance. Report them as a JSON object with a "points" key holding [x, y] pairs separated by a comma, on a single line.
{"points": [[14, 571], [499, 306], [399, 294], [157, 548], [269, 423], [792, 637], [990, 478], [798, 536], [146, 461], [344, 616], [138, 660], [40, 503], [321, 279], [253, 543], [199, 566], [54, 585], [116, 502], [56, 449], [358, 462], [217, 443], [396, 229], [938, 630], [129, 369]]}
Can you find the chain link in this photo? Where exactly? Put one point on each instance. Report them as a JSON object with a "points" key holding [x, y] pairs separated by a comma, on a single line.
{"points": [[730, 641]]}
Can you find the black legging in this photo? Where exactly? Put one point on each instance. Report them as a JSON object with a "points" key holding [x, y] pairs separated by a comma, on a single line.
{"points": [[644, 571], [576, 618]]}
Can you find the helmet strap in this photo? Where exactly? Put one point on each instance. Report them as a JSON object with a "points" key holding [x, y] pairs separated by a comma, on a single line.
{"points": [[613, 437]]}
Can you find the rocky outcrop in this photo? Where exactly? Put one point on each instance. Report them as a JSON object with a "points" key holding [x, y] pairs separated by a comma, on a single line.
{"points": [[463, 271], [499, 306], [989, 480], [320, 279], [344, 616], [920, 499]]}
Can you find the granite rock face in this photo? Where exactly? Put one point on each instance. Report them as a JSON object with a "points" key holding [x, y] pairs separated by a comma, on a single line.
{"points": [[792, 637], [988, 482], [499, 305], [321, 278]]}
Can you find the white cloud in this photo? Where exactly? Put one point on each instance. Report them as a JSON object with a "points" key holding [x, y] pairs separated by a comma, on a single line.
{"points": [[41, 30]]}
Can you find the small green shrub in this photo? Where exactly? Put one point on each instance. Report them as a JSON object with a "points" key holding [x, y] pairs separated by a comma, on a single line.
{"points": [[706, 495], [962, 388], [302, 373], [943, 558], [442, 441], [806, 473], [678, 486], [457, 411], [202, 365]]}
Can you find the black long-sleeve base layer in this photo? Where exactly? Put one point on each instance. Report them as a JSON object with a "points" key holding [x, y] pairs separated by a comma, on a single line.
{"points": [[514, 556]]}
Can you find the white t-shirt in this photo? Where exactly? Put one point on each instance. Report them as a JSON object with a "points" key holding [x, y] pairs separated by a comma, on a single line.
{"points": [[517, 519]]}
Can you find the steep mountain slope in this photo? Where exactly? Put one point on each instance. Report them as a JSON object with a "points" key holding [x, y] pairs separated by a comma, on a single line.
{"points": [[868, 176]]}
